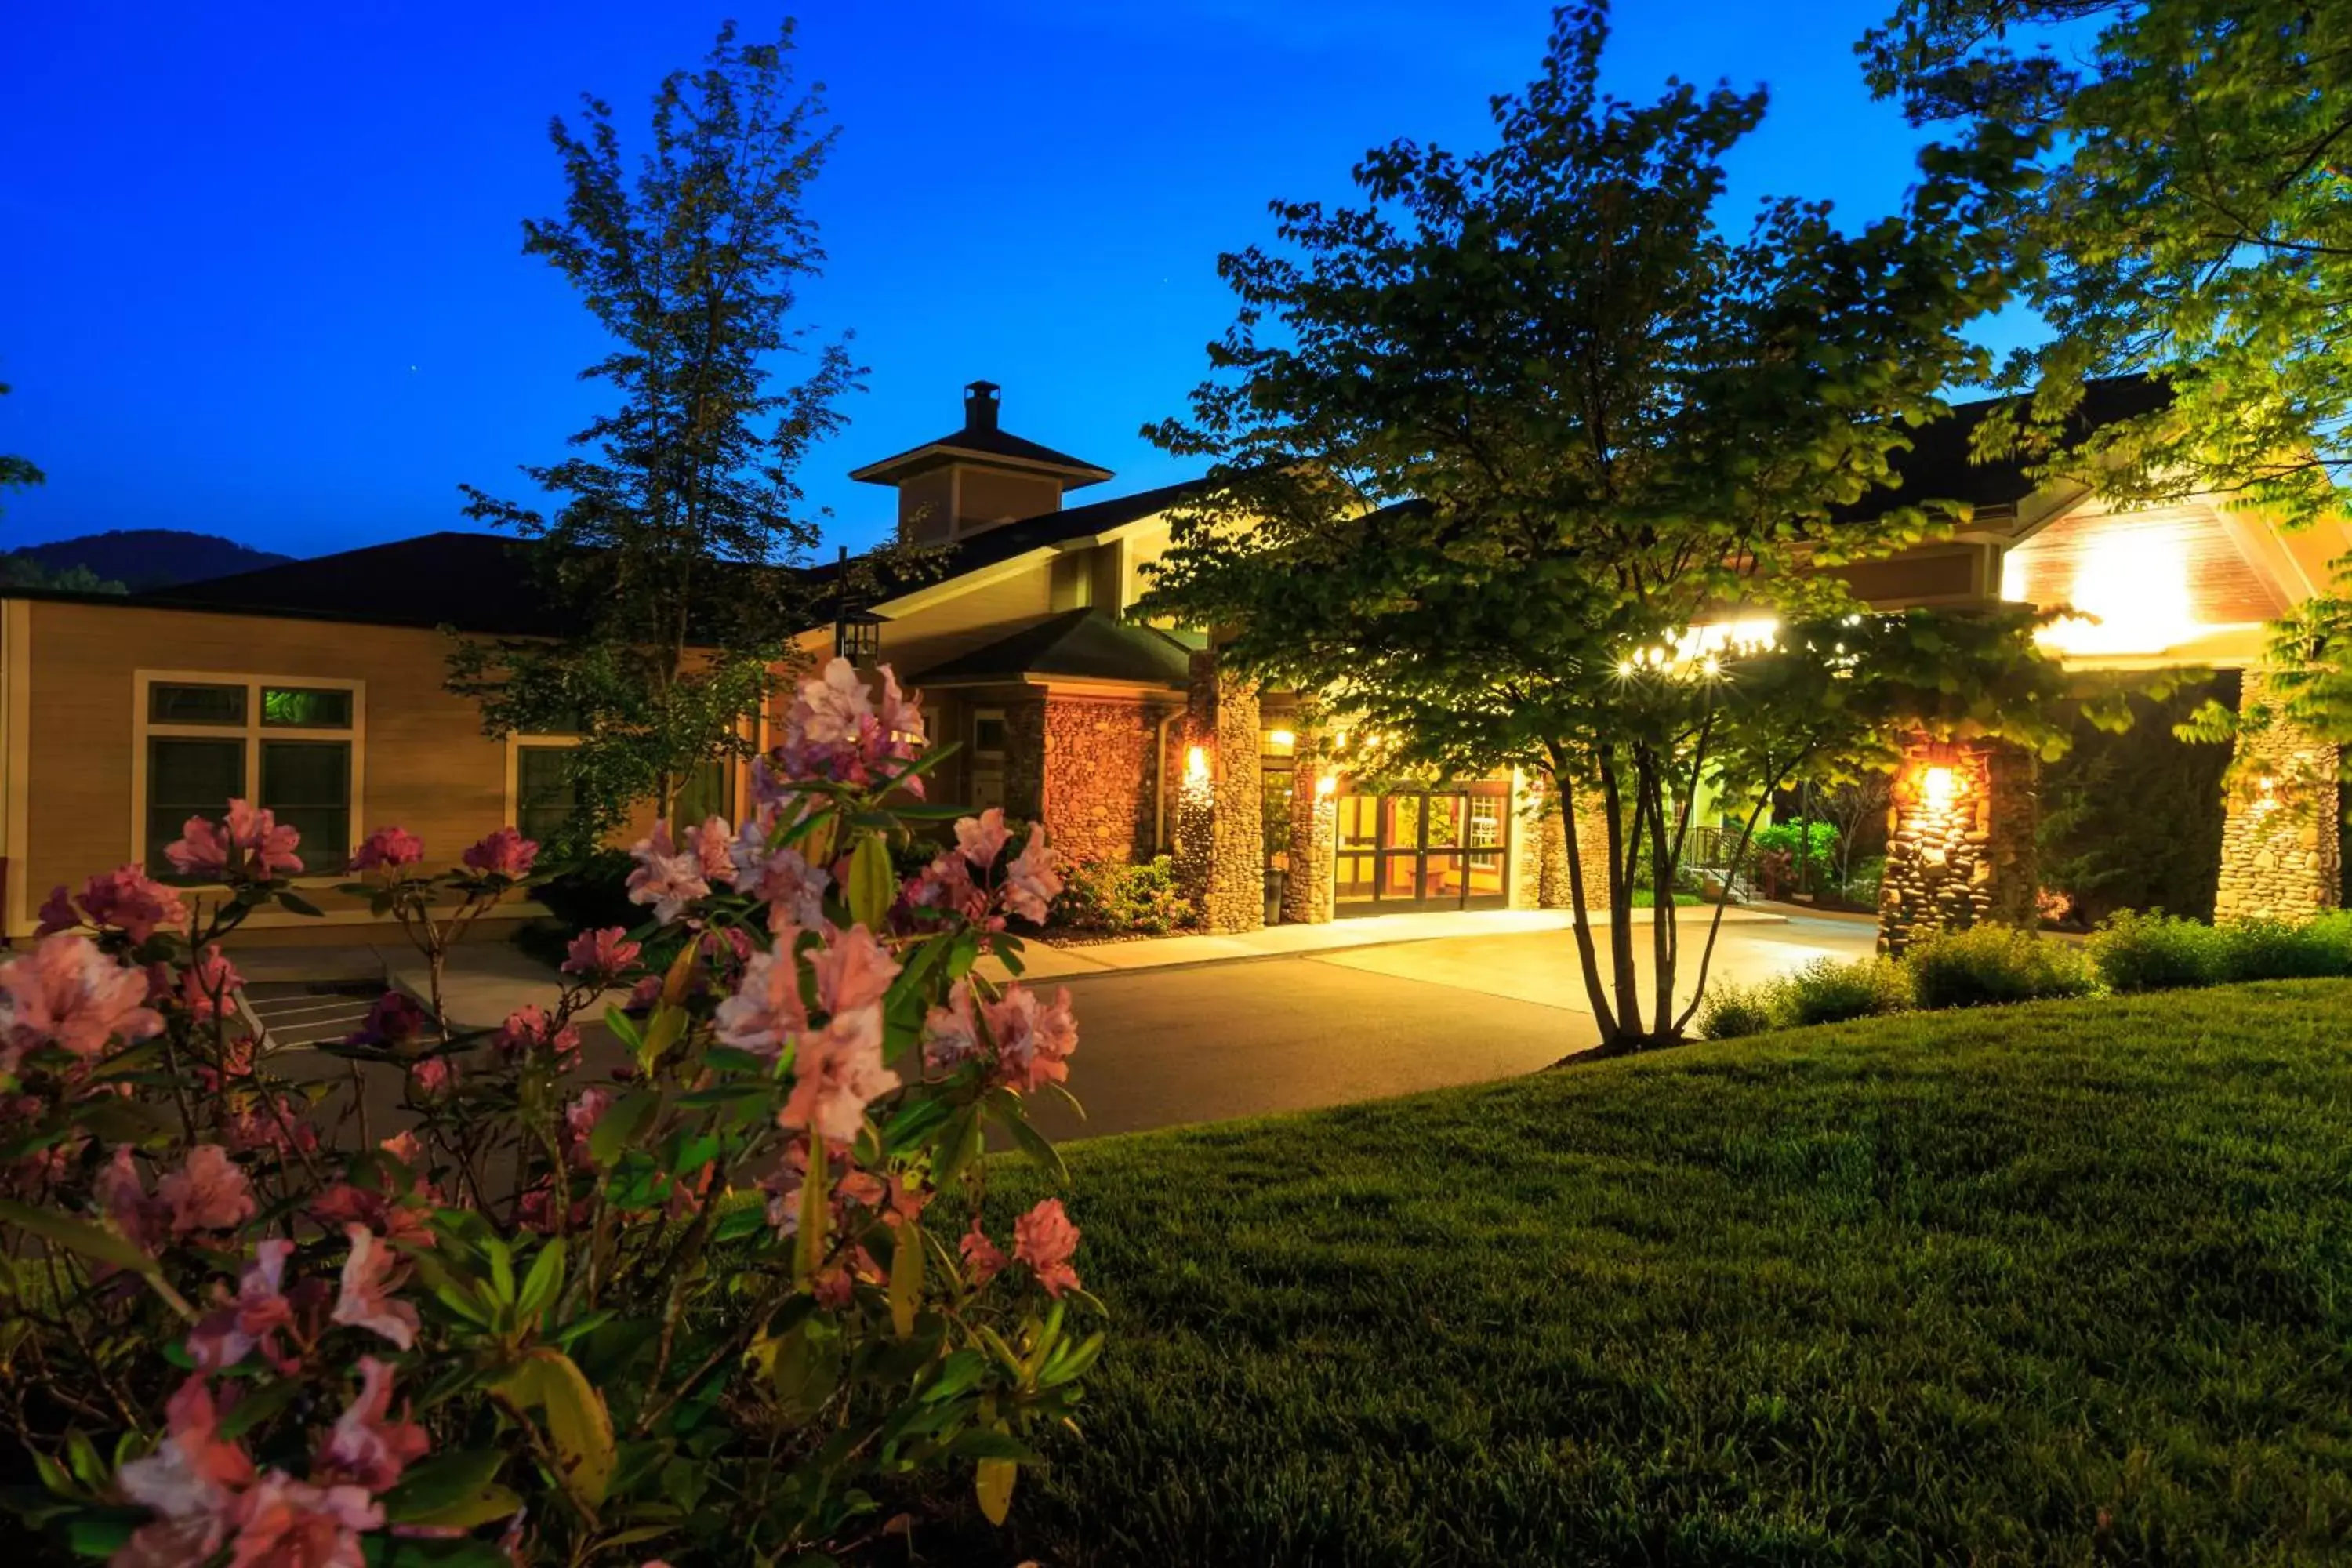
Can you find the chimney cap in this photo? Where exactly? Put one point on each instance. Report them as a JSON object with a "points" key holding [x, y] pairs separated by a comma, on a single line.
{"points": [[979, 404]]}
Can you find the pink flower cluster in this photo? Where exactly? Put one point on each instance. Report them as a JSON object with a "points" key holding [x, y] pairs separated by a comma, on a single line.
{"points": [[388, 849], [67, 993], [529, 1034], [1043, 1239], [125, 899], [956, 881], [1032, 1040], [249, 846], [669, 876], [836, 1069], [207, 1495], [835, 730], [505, 853], [600, 957], [209, 1193]]}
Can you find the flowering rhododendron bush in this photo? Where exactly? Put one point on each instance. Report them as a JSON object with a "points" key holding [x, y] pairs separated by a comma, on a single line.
{"points": [[695, 1303]]}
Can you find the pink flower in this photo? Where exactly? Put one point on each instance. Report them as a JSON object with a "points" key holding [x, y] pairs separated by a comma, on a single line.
{"points": [[834, 708], [200, 851], [191, 1481], [265, 848], [834, 732], [946, 885], [982, 839], [836, 1072], [506, 852], [208, 984], [529, 1031], [365, 1447], [766, 1011], [285, 1523], [981, 1257], [712, 846], [951, 1037], [208, 1192], [792, 889], [1033, 1042], [388, 849], [664, 878], [126, 899], [1043, 1239], [600, 957], [225, 1336], [405, 1147], [1031, 882], [121, 1195], [853, 971], [66, 992], [395, 1020], [580, 1119], [432, 1078], [365, 1302]]}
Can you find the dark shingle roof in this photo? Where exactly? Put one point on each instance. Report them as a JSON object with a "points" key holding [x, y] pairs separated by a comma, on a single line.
{"points": [[1939, 466], [984, 444], [474, 581], [1081, 645]]}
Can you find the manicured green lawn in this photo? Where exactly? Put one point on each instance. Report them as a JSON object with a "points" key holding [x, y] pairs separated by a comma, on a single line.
{"points": [[2064, 1283]]}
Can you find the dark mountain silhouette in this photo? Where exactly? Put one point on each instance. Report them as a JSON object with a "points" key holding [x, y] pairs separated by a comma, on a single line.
{"points": [[144, 558]]}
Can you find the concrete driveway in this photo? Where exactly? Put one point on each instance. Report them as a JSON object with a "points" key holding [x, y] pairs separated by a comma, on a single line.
{"points": [[1163, 1047]]}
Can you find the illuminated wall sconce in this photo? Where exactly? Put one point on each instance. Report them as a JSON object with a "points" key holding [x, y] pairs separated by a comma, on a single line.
{"points": [[1326, 786], [1283, 739], [1940, 787], [1196, 764], [2267, 799]]}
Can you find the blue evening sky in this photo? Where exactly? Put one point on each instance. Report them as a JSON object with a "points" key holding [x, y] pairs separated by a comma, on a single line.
{"points": [[260, 271]]}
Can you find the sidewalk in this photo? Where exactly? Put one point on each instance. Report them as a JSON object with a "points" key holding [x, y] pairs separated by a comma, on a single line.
{"points": [[1045, 963]]}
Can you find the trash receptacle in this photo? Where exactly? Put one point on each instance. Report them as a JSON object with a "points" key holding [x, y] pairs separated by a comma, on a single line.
{"points": [[1273, 895]]}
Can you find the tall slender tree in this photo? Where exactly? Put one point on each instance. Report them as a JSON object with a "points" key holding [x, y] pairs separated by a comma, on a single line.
{"points": [[1491, 448], [677, 517]]}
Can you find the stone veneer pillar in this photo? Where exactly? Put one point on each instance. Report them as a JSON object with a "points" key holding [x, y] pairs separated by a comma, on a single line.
{"points": [[1307, 890], [1220, 806], [2282, 832], [1960, 841]]}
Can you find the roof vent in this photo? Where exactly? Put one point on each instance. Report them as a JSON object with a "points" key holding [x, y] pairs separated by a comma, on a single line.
{"points": [[980, 401]]}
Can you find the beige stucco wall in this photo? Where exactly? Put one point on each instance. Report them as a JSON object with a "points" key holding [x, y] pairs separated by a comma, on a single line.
{"points": [[420, 758]]}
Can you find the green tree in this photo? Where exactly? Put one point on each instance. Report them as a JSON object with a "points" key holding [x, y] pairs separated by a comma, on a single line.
{"points": [[1487, 448], [678, 518], [2192, 219], [18, 473]]}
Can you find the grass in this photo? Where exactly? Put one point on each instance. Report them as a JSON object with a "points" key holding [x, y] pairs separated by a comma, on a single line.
{"points": [[2067, 1282]]}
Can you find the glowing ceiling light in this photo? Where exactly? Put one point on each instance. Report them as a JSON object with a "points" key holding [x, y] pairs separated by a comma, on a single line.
{"points": [[2132, 590], [1282, 737]]}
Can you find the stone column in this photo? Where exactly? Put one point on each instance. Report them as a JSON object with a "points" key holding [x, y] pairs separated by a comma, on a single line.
{"points": [[1960, 841], [2282, 831], [1220, 806], [1307, 892]]}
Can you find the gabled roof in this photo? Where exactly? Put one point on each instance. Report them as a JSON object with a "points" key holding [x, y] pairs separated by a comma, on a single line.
{"points": [[990, 448], [1938, 467], [475, 582], [1077, 644]]}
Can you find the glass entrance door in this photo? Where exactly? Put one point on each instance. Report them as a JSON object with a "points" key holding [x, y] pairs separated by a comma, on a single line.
{"points": [[1442, 848]]}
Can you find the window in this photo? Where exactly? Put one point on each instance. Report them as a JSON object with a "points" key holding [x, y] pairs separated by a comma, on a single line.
{"points": [[988, 733], [206, 740], [709, 793], [545, 793]]}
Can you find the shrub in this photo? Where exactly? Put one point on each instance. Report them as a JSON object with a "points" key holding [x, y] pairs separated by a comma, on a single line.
{"points": [[1783, 838], [1991, 964], [1732, 1012], [1828, 991], [704, 1308], [1111, 897], [2274, 950], [2155, 952], [1862, 886]]}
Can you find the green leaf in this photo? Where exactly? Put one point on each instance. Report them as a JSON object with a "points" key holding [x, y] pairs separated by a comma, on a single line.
{"points": [[256, 1405], [445, 1489], [873, 886], [960, 1145], [578, 1425], [295, 901], [906, 1278], [987, 1443], [77, 1236], [619, 1126], [1035, 1144], [993, 1481], [543, 1283], [813, 1213]]}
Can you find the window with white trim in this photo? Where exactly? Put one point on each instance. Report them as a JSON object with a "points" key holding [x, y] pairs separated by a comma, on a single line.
{"points": [[289, 745]]}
